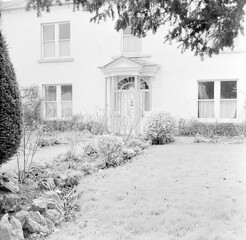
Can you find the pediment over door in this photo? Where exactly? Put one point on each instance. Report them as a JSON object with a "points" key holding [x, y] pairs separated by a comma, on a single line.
{"points": [[129, 66]]}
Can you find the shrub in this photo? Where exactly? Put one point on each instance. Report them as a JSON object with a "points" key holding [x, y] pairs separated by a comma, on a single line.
{"points": [[90, 148], [48, 141], [111, 148], [10, 106], [31, 106], [159, 127], [193, 127], [94, 123], [136, 143]]}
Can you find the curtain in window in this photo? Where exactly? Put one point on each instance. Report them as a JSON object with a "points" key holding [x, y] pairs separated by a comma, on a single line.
{"points": [[228, 108], [205, 109], [66, 110], [50, 110]]}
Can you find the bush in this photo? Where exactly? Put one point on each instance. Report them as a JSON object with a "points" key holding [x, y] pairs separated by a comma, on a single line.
{"points": [[111, 148], [31, 106], [10, 106], [94, 123], [193, 128], [136, 143], [90, 148], [160, 127]]}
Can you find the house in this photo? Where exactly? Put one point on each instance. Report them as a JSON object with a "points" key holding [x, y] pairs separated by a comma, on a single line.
{"points": [[79, 65]]}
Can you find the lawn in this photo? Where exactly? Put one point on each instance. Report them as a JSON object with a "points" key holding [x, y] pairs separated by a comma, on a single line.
{"points": [[184, 191]]}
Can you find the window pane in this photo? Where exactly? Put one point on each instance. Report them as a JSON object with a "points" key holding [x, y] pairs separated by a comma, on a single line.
{"points": [[66, 110], [49, 49], [64, 48], [49, 32], [228, 90], [50, 110], [66, 93], [206, 109], [64, 31], [50, 93], [146, 101], [206, 90], [228, 108], [131, 44]]}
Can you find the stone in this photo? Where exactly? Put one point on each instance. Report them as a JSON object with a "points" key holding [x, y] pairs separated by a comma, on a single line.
{"points": [[34, 222], [53, 215], [8, 183], [54, 196], [22, 216], [73, 178], [67, 178], [39, 205], [11, 203], [47, 184], [10, 229], [59, 179], [51, 200]]}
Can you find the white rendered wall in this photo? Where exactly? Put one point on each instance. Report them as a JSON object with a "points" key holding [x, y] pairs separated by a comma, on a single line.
{"points": [[93, 45]]}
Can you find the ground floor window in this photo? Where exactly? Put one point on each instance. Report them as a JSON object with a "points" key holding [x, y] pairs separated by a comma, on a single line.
{"points": [[57, 101], [217, 99]]}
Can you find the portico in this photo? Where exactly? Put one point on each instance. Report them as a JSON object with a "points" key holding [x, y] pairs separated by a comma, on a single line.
{"points": [[128, 93]]}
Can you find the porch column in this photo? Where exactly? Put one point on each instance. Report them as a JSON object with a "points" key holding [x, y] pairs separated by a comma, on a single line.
{"points": [[137, 106], [106, 102], [112, 105]]}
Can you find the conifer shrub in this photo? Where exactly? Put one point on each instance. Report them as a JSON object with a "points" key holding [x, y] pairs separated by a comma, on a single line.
{"points": [[160, 127], [10, 106]]}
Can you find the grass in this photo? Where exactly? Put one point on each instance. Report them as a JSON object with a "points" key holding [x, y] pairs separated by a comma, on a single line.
{"points": [[184, 191]]}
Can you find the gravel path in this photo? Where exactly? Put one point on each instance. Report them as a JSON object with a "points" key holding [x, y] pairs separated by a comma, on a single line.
{"points": [[181, 191]]}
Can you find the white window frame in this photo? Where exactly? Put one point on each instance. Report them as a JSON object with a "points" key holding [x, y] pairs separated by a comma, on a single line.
{"points": [[133, 37], [58, 101], [56, 40], [217, 100]]}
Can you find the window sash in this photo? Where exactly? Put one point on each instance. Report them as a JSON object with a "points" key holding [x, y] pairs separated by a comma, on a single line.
{"points": [[206, 109], [58, 47], [228, 108], [224, 102], [131, 44], [61, 106]]}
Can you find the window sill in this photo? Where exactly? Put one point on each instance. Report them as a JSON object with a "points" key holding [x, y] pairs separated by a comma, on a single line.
{"points": [[236, 50], [55, 60], [133, 55]]}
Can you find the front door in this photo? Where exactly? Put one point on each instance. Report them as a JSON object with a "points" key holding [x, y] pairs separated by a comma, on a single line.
{"points": [[131, 103]]}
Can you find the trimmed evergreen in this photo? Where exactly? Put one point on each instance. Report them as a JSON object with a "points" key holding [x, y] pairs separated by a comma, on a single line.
{"points": [[10, 106]]}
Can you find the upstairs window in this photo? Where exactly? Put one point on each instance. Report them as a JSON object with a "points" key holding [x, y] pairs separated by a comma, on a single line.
{"points": [[56, 40], [131, 44]]}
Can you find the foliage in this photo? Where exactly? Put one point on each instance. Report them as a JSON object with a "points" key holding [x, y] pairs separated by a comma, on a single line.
{"points": [[205, 27], [94, 123], [31, 137], [73, 140], [90, 148], [160, 125], [48, 141], [10, 106], [193, 127], [110, 148], [136, 143], [31, 106]]}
